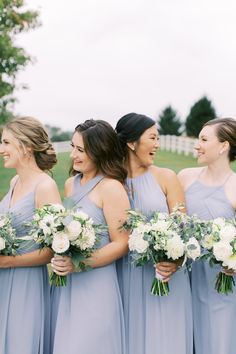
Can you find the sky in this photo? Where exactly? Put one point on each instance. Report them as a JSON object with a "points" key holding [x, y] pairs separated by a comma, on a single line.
{"points": [[103, 59]]}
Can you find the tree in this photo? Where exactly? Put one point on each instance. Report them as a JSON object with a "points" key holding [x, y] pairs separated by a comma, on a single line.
{"points": [[200, 113], [13, 20], [56, 134], [169, 122]]}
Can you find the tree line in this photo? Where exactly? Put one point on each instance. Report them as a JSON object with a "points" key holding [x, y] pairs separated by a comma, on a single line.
{"points": [[15, 19]]}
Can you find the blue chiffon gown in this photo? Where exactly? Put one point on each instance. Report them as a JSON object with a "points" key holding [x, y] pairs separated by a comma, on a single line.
{"points": [[154, 324], [87, 314], [24, 292], [214, 314]]}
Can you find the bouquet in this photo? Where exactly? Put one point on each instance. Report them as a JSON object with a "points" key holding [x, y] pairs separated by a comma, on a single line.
{"points": [[68, 233], [160, 239], [8, 242], [220, 248]]}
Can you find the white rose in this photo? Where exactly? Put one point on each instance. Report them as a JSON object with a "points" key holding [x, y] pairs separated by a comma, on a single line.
{"points": [[2, 222], [193, 249], [73, 230], [228, 233], [60, 243], [175, 247], [208, 241], [222, 250], [86, 239], [137, 244], [160, 226], [230, 262], [2, 244], [218, 224]]}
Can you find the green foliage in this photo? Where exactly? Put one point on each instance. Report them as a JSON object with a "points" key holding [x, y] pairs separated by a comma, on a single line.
{"points": [[169, 122], [13, 20], [200, 113], [56, 134]]}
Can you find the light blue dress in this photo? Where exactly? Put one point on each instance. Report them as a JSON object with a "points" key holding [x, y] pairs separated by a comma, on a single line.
{"points": [[214, 314], [87, 314], [24, 292], [154, 324]]}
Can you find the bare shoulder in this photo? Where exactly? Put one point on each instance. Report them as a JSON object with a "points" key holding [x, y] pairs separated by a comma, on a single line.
{"points": [[46, 185], [188, 175], [163, 173], [47, 192], [110, 185]]}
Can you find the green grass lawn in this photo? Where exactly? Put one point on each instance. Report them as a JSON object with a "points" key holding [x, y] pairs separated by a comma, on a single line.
{"points": [[60, 171]]}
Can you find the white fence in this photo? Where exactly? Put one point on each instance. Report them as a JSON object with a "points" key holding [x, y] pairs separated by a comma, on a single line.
{"points": [[179, 144]]}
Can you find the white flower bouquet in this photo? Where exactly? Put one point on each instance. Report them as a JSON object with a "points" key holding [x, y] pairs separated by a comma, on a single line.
{"points": [[68, 233], [220, 248], [8, 241], [160, 239]]}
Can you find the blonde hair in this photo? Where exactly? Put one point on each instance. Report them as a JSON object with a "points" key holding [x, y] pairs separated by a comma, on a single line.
{"points": [[31, 133]]}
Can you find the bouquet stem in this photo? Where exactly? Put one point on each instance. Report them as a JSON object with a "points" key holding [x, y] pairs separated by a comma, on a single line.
{"points": [[159, 287], [58, 280], [224, 283]]}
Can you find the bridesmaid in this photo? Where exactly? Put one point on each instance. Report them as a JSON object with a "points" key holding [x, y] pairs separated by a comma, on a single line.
{"points": [[211, 193], [25, 295], [87, 314], [154, 325]]}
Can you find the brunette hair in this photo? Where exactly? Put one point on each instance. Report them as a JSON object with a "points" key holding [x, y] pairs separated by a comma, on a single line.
{"points": [[225, 131], [130, 127], [102, 146]]}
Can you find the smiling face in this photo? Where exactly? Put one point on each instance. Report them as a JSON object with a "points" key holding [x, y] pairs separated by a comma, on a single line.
{"points": [[146, 146], [81, 160], [11, 150], [209, 148]]}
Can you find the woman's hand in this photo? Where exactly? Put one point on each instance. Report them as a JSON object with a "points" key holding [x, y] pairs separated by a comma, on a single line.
{"points": [[228, 271], [166, 269], [62, 265]]}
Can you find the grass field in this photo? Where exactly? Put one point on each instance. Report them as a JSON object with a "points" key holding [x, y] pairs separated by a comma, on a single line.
{"points": [[60, 172]]}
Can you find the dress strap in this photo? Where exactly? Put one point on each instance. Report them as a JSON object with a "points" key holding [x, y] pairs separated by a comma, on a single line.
{"points": [[80, 191]]}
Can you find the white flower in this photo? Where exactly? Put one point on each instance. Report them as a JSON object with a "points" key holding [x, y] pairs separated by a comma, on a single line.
{"points": [[160, 225], [57, 207], [217, 224], [80, 215], [86, 239], [175, 247], [2, 222], [193, 249], [228, 233], [2, 244], [73, 230], [137, 243], [47, 224], [141, 229], [60, 243], [222, 250], [230, 262], [208, 241]]}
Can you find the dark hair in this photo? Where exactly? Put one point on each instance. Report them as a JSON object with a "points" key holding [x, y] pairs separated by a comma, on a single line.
{"points": [[225, 131], [102, 146], [130, 127], [31, 133]]}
